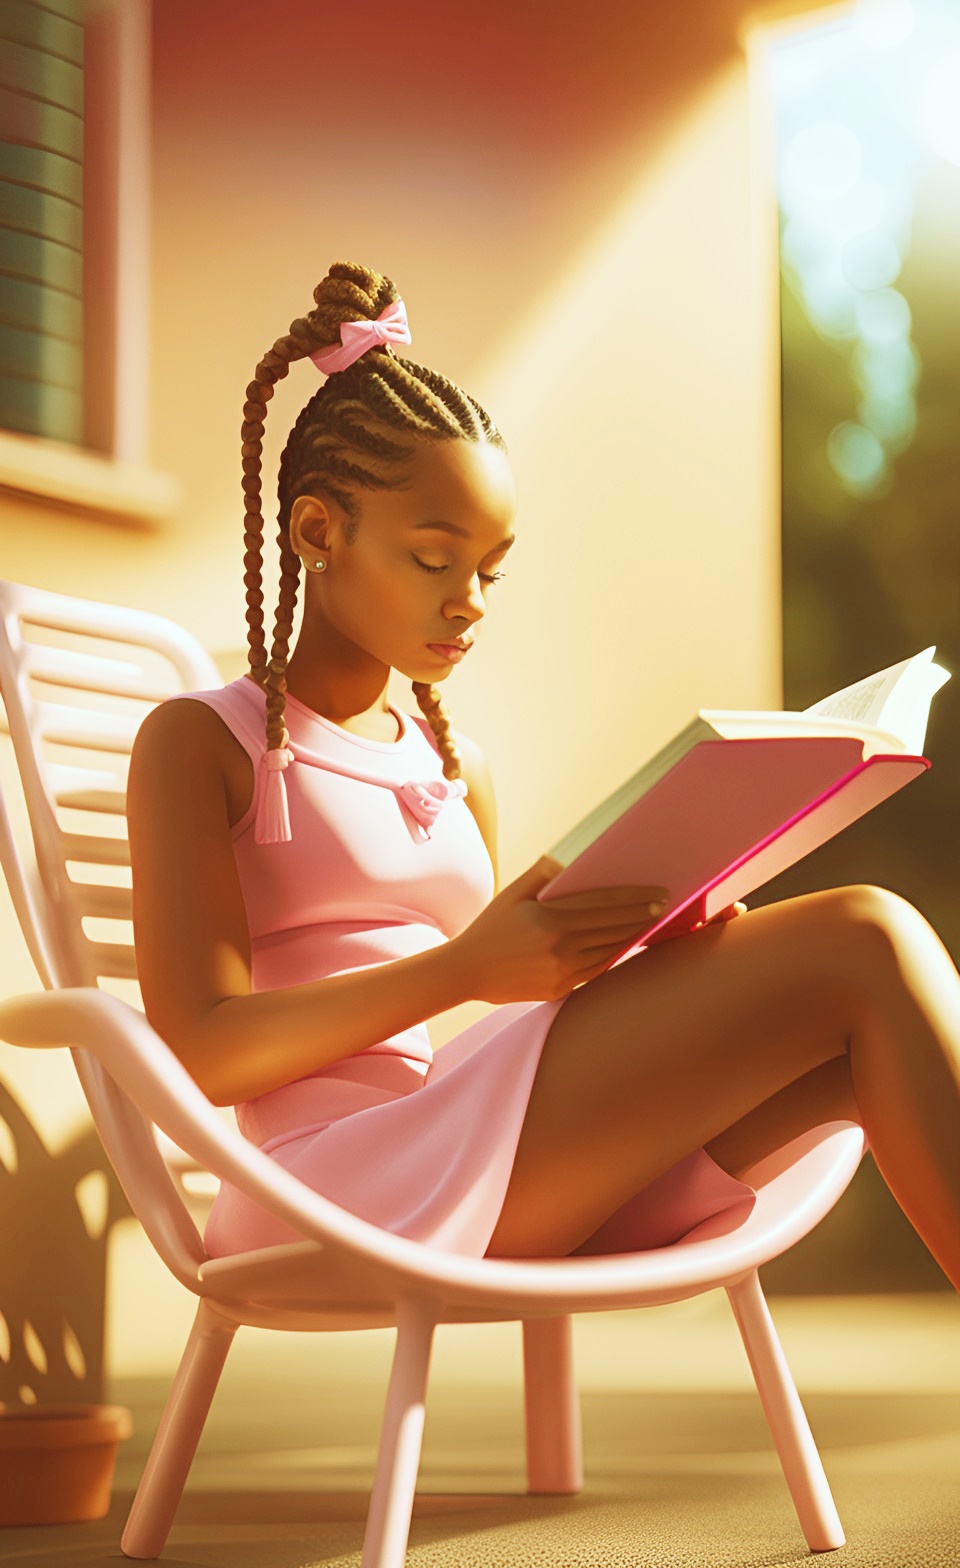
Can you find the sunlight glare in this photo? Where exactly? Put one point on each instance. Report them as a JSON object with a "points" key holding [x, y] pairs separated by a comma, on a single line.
{"points": [[870, 261], [940, 112], [883, 24], [820, 162]]}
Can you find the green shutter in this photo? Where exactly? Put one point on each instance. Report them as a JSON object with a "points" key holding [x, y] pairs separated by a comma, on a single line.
{"points": [[41, 218]]}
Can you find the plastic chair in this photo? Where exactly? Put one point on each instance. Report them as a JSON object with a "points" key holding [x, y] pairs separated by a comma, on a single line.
{"points": [[345, 1273]]}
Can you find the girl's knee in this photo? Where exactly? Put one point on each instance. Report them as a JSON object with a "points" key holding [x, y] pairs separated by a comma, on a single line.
{"points": [[877, 920]]}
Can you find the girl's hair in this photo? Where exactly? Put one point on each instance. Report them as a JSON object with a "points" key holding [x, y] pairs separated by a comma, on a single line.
{"points": [[358, 431]]}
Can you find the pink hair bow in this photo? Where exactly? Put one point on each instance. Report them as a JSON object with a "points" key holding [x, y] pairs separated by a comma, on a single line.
{"points": [[424, 801], [357, 336]]}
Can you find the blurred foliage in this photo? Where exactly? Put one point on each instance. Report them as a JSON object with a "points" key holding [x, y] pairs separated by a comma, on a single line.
{"points": [[868, 582]]}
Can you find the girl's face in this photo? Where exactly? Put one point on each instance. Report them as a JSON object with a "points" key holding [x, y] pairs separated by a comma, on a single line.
{"points": [[409, 589]]}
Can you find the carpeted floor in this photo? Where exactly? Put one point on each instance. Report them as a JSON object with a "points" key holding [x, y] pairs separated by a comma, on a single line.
{"points": [[680, 1467]]}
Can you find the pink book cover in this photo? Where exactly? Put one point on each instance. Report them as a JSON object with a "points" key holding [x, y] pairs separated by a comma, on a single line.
{"points": [[729, 816]]}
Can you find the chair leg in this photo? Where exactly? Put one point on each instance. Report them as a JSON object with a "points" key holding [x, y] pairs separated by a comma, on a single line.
{"points": [[802, 1466], [551, 1407], [162, 1482], [401, 1436]]}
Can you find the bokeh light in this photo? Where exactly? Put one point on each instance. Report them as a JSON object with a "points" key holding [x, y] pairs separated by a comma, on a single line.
{"points": [[870, 261], [860, 104], [940, 113], [884, 24], [883, 316], [857, 456], [821, 162]]}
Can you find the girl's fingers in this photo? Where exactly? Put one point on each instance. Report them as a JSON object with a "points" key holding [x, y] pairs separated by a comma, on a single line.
{"points": [[730, 913], [591, 971], [597, 958], [590, 918], [606, 898], [532, 881], [615, 935]]}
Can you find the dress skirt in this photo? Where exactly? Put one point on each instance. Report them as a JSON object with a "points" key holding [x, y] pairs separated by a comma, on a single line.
{"points": [[429, 1156]]}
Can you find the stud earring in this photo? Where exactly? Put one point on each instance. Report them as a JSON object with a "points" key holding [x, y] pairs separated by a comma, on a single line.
{"points": [[317, 566]]}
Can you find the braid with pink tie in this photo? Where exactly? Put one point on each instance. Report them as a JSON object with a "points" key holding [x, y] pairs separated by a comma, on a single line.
{"points": [[355, 433]]}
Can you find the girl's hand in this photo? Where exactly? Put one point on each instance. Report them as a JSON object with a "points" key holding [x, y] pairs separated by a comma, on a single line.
{"points": [[521, 950], [730, 913]]}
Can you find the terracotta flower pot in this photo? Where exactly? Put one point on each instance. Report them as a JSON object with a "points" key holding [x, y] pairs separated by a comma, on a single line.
{"points": [[57, 1461]]}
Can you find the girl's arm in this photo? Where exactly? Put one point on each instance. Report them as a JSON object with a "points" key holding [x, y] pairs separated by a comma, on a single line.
{"points": [[189, 779], [193, 944]]}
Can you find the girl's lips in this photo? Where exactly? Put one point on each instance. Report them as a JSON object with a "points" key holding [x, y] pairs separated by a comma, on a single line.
{"points": [[448, 651]]}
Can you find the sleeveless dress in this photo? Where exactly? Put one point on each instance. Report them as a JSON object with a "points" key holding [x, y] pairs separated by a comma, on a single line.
{"points": [[418, 1144]]}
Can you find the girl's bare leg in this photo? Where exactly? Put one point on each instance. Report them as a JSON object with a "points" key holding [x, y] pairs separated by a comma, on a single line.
{"points": [[723, 1039], [824, 1095]]}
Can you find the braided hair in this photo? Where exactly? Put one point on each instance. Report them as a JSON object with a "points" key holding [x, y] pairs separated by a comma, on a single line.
{"points": [[357, 431]]}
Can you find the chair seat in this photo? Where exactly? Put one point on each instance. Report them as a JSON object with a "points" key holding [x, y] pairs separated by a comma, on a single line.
{"points": [[319, 1282]]}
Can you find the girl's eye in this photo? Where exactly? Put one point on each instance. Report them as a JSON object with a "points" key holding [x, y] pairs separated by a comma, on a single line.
{"points": [[485, 577]]}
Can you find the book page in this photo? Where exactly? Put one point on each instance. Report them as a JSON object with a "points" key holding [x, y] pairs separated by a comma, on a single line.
{"points": [[896, 699], [886, 712], [907, 708], [775, 726]]}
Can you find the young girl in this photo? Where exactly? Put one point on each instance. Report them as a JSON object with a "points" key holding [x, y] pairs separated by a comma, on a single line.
{"points": [[313, 881]]}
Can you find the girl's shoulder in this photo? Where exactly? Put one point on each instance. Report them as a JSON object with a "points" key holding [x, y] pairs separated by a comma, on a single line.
{"points": [[192, 741], [189, 726]]}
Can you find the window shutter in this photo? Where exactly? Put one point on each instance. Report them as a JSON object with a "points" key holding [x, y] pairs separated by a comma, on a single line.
{"points": [[41, 218]]}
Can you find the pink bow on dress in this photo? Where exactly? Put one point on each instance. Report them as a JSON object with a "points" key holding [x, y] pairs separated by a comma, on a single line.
{"points": [[424, 801]]}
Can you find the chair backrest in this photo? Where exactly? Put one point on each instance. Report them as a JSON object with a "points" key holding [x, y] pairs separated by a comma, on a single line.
{"points": [[76, 680]]}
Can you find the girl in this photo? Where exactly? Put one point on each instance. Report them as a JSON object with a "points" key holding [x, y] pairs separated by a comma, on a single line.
{"points": [[313, 880]]}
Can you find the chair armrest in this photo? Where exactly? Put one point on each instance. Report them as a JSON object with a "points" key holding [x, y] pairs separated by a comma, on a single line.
{"points": [[149, 1073]]}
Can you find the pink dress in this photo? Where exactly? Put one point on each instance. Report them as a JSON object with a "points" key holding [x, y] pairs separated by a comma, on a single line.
{"points": [[421, 1145]]}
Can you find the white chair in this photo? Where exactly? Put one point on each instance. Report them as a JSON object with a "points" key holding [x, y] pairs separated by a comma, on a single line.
{"points": [[345, 1273]]}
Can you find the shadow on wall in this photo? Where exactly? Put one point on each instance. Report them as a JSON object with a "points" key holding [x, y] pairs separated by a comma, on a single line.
{"points": [[55, 1219]]}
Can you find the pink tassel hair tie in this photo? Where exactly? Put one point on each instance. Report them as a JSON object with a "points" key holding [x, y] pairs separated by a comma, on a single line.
{"points": [[273, 813], [357, 336]]}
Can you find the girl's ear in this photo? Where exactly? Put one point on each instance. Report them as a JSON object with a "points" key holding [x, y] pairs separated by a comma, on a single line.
{"points": [[309, 526]]}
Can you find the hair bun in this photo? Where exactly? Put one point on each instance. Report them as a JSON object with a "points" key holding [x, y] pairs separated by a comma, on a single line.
{"points": [[349, 292]]}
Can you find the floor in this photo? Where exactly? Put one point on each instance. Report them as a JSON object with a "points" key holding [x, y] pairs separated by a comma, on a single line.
{"points": [[679, 1464]]}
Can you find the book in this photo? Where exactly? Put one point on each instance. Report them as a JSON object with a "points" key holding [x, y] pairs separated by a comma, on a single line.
{"points": [[736, 797]]}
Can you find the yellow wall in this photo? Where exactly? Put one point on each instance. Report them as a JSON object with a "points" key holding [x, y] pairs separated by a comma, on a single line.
{"points": [[599, 270]]}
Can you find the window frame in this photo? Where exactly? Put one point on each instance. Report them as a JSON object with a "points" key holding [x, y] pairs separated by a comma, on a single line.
{"points": [[110, 471]]}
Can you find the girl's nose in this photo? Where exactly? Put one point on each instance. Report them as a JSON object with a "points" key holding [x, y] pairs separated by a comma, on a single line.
{"points": [[470, 603]]}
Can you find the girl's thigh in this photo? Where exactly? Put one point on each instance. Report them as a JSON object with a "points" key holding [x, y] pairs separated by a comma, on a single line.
{"points": [[658, 1056]]}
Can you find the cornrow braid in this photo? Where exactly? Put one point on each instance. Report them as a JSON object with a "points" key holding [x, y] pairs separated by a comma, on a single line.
{"points": [[430, 414], [452, 398], [358, 432]]}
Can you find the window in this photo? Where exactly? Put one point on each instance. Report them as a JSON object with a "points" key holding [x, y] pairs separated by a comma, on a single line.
{"points": [[41, 220], [74, 253]]}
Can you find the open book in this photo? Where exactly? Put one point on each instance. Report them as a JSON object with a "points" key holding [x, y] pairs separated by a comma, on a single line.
{"points": [[735, 798]]}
